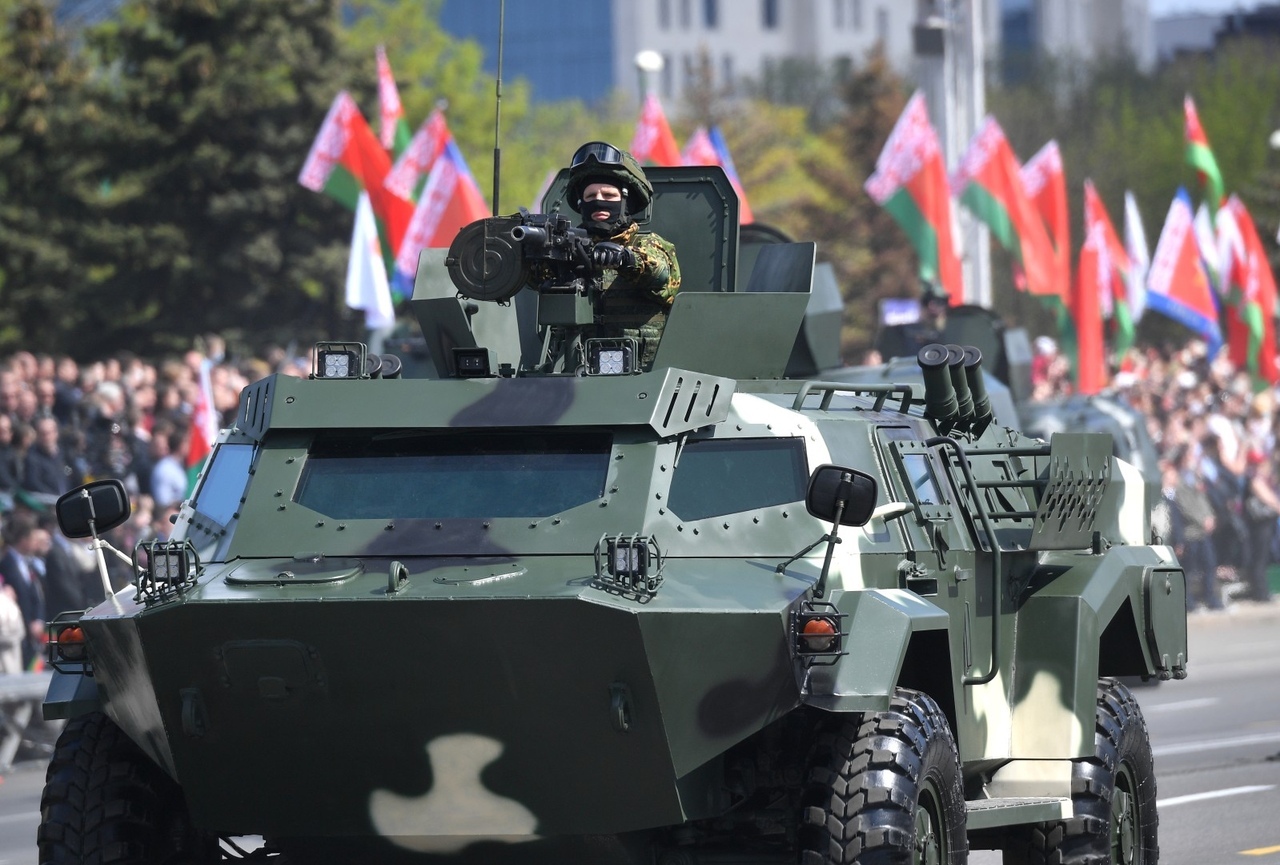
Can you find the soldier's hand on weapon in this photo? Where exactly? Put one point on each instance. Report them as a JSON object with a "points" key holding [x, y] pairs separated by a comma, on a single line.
{"points": [[608, 254]]}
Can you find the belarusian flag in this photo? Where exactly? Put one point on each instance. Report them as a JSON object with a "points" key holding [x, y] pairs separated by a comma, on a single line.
{"points": [[910, 181], [653, 141], [408, 175], [1092, 277], [989, 183], [1046, 186], [392, 127], [204, 426], [1201, 157], [1177, 285], [345, 158], [1114, 294], [1251, 309], [450, 201]]}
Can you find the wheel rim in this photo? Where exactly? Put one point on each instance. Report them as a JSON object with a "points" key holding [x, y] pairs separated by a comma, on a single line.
{"points": [[1125, 820], [930, 847]]}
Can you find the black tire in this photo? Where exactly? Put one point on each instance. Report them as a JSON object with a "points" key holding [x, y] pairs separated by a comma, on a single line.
{"points": [[1113, 794], [106, 802], [885, 789]]}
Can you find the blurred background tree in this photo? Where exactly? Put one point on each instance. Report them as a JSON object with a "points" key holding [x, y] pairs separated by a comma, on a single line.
{"points": [[149, 190]]}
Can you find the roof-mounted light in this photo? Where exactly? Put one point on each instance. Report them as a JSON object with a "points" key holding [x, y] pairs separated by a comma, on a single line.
{"points": [[611, 356], [338, 360]]}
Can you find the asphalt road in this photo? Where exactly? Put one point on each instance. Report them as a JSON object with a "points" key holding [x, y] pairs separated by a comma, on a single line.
{"points": [[1216, 737]]}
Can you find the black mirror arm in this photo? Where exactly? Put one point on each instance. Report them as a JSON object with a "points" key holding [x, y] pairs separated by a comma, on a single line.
{"points": [[99, 545], [843, 492]]}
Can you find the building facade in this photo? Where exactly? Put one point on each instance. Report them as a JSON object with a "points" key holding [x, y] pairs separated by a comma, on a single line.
{"points": [[586, 50], [1081, 31]]}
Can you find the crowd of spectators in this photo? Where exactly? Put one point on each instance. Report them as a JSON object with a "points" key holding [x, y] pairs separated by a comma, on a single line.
{"points": [[62, 423], [1215, 435]]}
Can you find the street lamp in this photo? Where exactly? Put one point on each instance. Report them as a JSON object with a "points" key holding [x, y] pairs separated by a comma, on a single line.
{"points": [[648, 61]]}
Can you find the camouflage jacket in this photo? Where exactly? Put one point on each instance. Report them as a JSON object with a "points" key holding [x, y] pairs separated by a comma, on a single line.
{"points": [[651, 285]]}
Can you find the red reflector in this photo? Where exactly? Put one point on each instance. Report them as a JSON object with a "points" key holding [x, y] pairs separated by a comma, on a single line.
{"points": [[71, 643], [819, 634]]}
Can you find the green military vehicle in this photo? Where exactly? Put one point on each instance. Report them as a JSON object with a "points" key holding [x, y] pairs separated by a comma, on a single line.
{"points": [[535, 609]]}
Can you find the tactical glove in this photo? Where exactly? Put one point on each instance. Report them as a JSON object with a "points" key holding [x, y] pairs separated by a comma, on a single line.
{"points": [[608, 254]]}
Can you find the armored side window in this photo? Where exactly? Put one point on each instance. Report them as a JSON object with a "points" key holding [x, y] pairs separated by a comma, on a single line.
{"points": [[924, 488], [224, 483], [460, 474], [724, 476]]}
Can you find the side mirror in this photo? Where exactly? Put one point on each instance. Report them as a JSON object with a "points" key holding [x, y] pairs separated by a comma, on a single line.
{"points": [[96, 507], [829, 488]]}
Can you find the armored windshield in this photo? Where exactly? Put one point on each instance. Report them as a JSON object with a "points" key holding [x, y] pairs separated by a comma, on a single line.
{"points": [[725, 476], [399, 475]]}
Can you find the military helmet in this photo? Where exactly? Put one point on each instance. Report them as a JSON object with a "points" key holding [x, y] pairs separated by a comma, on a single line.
{"points": [[932, 292], [599, 162]]}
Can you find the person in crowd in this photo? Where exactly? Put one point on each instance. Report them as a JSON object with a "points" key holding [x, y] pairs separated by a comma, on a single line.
{"points": [[1199, 522], [1261, 511], [1225, 488], [71, 580], [48, 469], [10, 457], [23, 541], [168, 474]]}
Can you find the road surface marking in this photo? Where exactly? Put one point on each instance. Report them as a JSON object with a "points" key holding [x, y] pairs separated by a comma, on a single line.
{"points": [[1213, 794], [1235, 742], [1260, 851]]}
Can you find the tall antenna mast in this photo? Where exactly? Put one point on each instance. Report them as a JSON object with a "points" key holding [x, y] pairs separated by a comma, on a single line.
{"points": [[497, 110]]}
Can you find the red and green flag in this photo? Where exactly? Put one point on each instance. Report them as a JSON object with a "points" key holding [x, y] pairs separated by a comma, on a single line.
{"points": [[347, 157], [1046, 185], [1113, 286], [1201, 157], [204, 426], [1251, 302], [393, 129], [1093, 278], [409, 174], [910, 181], [653, 141], [989, 183]]}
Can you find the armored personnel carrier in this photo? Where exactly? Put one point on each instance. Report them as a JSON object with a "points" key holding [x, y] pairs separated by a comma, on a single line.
{"points": [[548, 606]]}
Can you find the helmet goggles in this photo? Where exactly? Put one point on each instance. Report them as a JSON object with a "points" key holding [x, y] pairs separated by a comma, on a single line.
{"points": [[599, 151]]}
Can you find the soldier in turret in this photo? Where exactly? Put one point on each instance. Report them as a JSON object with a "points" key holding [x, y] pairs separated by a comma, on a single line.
{"points": [[608, 188]]}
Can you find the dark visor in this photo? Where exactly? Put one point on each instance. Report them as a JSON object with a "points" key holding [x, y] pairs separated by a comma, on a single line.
{"points": [[606, 154]]}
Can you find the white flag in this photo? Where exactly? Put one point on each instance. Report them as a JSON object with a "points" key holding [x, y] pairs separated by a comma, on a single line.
{"points": [[1135, 243], [1207, 241], [367, 286]]}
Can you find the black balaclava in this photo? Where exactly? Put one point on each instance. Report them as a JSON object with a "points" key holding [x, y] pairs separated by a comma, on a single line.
{"points": [[618, 216]]}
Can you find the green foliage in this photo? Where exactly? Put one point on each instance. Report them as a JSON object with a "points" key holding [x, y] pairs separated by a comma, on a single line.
{"points": [[38, 209], [204, 114]]}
